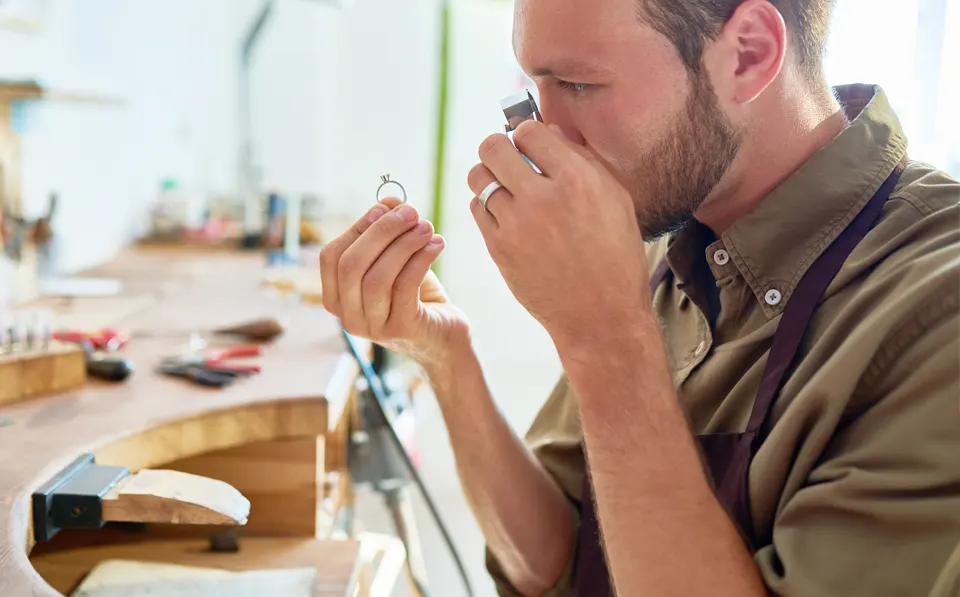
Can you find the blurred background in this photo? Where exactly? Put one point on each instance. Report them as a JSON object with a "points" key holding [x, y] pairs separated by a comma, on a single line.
{"points": [[129, 111]]}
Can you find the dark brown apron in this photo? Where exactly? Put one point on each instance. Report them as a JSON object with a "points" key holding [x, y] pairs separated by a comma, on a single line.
{"points": [[728, 455]]}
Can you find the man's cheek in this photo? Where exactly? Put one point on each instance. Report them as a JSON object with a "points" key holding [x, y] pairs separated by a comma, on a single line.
{"points": [[617, 161]]}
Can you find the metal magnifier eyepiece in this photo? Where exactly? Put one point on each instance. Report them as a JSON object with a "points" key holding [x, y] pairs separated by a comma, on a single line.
{"points": [[386, 180], [516, 109], [519, 107]]}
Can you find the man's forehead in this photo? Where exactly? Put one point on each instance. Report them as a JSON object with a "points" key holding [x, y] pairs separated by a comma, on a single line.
{"points": [[566, 38]]}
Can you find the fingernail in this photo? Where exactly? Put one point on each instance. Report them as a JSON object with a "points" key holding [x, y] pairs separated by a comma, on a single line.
{"points": [[559, 131], [376, 213], [424, 227], [436, 242], [406, 213]]}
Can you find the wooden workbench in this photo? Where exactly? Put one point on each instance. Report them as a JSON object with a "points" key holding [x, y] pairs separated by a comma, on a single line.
{"points": [[272, 436]]}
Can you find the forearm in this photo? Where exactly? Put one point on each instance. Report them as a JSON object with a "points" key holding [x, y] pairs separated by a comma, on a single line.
{"points": [[664, 531], [524, 516]]}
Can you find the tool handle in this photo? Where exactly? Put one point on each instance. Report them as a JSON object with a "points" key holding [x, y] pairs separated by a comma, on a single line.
{"points": [[215, 379], [71, 337], [237, 352], [221, 366], [109, 369]]}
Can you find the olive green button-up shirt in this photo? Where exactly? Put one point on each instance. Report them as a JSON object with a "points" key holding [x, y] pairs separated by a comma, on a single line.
{"points": [[855, 491]]}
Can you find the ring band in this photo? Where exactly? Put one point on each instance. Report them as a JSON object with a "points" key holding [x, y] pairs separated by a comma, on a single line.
{"points": [[489, 190], [385, 180]]}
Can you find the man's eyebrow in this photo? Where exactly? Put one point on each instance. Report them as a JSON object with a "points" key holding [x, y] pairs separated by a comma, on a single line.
{"points": [[567, 70]]}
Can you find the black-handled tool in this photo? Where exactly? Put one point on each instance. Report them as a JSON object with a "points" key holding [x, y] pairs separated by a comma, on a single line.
{"points": [[199, 374], [209, 377], [109, 369]]}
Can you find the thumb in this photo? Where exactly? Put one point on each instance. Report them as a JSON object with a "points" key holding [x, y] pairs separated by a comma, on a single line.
{"points": [[431, 290]]}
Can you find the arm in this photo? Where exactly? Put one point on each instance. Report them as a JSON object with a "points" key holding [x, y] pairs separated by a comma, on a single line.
{"points": [[526, 519], [633, 422], [376, 280], [558, 239]]}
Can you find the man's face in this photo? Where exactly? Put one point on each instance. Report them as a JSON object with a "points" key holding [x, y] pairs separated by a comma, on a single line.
{"points": [[619, 87]]}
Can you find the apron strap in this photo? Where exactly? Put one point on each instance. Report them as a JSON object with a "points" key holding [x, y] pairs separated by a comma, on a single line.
{"points": [[801, 305]]}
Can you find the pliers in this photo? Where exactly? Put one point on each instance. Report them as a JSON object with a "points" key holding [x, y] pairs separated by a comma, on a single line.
{"points": [[108, 339], [211, 369]]}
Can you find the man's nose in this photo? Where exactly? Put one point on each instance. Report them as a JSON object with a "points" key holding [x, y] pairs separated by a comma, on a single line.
{"points": [[553, 113]]}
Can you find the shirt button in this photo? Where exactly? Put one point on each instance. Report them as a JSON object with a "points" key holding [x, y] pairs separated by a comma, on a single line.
{"points": [[721, 257], [773, 297]]}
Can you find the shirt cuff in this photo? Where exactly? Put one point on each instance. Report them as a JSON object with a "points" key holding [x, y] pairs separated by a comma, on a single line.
{"points": [[562, 588]]}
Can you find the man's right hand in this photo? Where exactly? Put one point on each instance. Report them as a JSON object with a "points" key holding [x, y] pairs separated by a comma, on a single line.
{"points": [[376, 278]]}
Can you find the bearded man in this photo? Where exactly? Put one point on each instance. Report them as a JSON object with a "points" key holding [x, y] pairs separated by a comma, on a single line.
{"points": [[754, 295]]}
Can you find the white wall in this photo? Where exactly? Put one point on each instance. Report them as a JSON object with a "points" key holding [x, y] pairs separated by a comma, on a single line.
{"points": [[167, 62], [340, 97]]}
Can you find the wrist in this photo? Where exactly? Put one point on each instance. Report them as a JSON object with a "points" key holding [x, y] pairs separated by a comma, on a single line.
{"points": [[614, 339], [450, 359]]}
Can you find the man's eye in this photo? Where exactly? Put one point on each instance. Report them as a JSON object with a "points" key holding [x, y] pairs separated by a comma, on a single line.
{"points": [[574, 87]]}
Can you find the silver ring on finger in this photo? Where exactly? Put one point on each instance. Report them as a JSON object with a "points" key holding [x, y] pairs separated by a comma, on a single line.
{"points": [[386, 180], [489, 190]]}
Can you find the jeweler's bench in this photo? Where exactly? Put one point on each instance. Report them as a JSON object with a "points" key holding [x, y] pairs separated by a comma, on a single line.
{"points": [[278, 437]]}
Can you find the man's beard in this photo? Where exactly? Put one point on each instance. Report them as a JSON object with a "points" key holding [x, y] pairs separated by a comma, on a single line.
{"points": [[679, 173]]}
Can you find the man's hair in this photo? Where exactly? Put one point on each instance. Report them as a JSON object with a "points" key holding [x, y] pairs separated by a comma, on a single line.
{"points": [[690, 24]]}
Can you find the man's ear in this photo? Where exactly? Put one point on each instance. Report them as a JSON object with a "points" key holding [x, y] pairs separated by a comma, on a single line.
{"points": [[748, 54]]}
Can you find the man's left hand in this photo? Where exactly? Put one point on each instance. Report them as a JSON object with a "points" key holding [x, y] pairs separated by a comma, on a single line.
{"points": [[567, 241]]}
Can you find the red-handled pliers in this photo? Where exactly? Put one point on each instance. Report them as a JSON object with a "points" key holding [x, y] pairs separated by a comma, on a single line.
{"points": [[215, 361], [109, 339]]}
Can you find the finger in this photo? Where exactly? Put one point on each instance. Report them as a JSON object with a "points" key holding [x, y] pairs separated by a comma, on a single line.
{"points": [[478, 179], [499, 155], [330, 254], [391, 202], [360, 255], [379, 280], [406, 289], [551, 152], [332, 251], [485, 221]]}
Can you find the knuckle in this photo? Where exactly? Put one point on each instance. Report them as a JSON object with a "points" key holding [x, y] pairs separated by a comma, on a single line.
{"points": [[349, 267], [406, 283], [476, 176], [525, 130], [328, 258], [373, 282], [475, 207], [490, 145], [353, 326]]}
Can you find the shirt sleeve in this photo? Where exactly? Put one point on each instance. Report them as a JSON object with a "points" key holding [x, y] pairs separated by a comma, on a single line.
{"points": [[879, 515], [555, 439]]}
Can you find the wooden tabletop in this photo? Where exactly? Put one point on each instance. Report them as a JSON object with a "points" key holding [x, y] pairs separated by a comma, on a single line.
{"points": [[152, 419]]}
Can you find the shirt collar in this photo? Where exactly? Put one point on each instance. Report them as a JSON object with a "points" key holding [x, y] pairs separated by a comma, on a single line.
{"points": [[775, 244]]}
